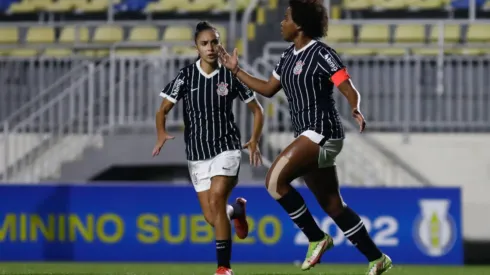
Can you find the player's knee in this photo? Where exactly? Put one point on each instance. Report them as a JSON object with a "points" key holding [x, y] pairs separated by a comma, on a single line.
{"points": [[275, 184], [217, 203]]}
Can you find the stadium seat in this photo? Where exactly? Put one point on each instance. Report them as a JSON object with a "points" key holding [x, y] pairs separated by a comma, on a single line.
{"points": [[389, 4], [9, 35], [177, 33], [356, 4], [471, 51], [108, 34], [143, 33], [24, 6], [129, 52], [223, 34], [410, 33], [23, 52], [392, 51], [356, 51], [374, 33], [40, 34], [451, 33], [340, 33], [163, 6], [70, 34], [57, 52], [94, 5], [426, 4], [241, 5], [200, 5], [478, 33], [61, 6]]}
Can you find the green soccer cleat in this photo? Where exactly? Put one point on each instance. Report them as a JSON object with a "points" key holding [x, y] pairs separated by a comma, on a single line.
{"points": [[380, 265], [316, 251]]}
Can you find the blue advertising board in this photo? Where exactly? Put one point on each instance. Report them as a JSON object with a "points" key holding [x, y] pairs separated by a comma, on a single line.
{"points": [[160, 223]]}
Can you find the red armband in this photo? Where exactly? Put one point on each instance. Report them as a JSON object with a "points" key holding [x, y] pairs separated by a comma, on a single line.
{"points": [[339, 77]]}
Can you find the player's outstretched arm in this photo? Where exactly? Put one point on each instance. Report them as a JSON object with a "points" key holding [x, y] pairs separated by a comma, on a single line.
{"points": [[354, 98], [266, 88], [160, 121], [253, 143]]}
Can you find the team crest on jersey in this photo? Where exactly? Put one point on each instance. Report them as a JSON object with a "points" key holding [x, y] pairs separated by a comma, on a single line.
{"points": [[222, 89], [298, 68]]}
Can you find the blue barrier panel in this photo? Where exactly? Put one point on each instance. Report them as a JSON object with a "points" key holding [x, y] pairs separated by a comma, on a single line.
{"points": [[158, 223]]}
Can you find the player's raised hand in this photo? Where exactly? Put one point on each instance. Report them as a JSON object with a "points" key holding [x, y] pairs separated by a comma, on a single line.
{"points": [[160, 142], [254, 153], [360, 119], [227, 60]]}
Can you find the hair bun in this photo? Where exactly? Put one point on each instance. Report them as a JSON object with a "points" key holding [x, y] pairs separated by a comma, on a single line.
{"points": [[203, 25]]}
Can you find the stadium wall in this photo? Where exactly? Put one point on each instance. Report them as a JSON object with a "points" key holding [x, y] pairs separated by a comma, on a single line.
{"points": [[457, 159]]}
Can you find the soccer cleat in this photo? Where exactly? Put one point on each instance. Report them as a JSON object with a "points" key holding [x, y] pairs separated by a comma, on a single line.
{"points": [[224, 271], [316, 251], [241, 224], [380, 265]]}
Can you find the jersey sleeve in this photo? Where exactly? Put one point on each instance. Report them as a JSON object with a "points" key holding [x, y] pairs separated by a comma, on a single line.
{"points": [[245, 93], [331, 64], [278, 69], [175, 90]]}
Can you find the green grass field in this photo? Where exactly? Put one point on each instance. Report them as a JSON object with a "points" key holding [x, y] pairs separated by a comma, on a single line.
{"points": [[208, 269]]}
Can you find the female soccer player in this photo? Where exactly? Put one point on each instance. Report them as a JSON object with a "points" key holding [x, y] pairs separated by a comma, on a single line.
{"points": [[212, 138], [307, 72]]}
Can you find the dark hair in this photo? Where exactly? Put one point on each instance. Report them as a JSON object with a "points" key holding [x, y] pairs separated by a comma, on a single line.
{"points": [[311, 16], [203, 26]]}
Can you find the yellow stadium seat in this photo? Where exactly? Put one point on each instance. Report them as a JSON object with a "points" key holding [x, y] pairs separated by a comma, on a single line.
{"points": [[129, 52], [22, 7], [389, 4], [94, 53], [163, 6], [240, 5], [23, 52], [143, 33], [177, 33], [486, 6], [451, 33], [9, 35], [223, 34], [40, 34], [429, 52], [356, 51], [197, 5], [357, 4], [72, 34], [94, 5], [183, 50], [425, 4], [471, 51], [108, 34], [392, 51], [374, 33], [410, 33], [340, 33], [57, 52], [61, 6], [478, 33]]}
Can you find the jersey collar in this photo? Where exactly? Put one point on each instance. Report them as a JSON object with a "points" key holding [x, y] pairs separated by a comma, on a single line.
{"points": [[198, 65], [296, 52]]}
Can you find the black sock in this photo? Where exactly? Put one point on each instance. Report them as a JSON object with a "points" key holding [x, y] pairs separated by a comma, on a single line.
{"points": [[223, 253], [353, 227], [295, 205], [237, 210]]}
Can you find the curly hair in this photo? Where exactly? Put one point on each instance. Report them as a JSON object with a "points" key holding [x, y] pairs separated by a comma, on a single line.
{"points": [[311, 16]]}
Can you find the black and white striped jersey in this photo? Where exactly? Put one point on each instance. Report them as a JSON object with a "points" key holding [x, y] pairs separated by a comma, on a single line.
{"points": [[210, 126], [307, 77]]}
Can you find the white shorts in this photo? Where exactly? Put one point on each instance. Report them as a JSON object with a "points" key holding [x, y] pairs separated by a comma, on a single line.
{"points": [[328, 149], [225, 164]]}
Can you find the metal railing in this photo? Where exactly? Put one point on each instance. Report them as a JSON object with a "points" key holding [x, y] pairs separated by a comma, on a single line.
{"points": [[417, 93]]}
